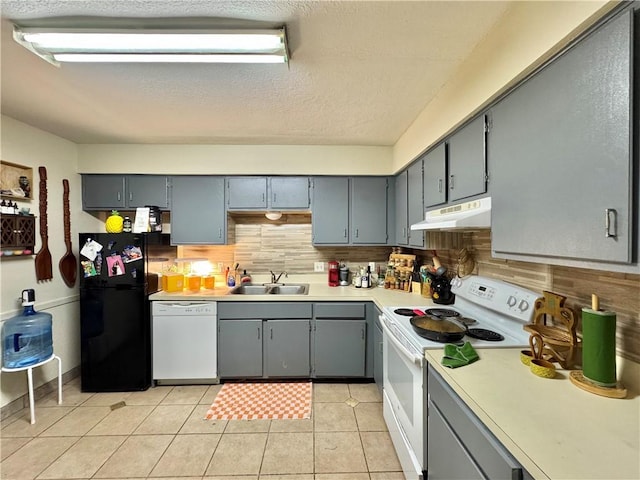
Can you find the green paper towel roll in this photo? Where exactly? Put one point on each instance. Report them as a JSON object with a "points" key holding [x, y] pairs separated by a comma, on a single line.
{"points": [[599, 347]]}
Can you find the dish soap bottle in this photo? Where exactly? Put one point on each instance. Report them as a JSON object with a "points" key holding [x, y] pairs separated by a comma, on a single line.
{"points": [[27, 338]]}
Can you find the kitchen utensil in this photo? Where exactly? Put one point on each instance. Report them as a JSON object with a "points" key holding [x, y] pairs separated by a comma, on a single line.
{"points": [[538, 365], [439, 270], [444, 331], [559, 331], [68, 263], [44, 268]]}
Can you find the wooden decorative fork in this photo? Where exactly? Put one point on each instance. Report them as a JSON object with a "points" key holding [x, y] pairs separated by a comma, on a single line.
{"points": [[44, 266]]}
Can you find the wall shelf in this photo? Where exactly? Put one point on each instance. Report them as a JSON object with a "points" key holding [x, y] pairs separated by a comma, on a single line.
{"points": [[10, 181]]}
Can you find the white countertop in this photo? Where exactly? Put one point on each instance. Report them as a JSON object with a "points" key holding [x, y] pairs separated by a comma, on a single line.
{"points": [[553, 428], [318, 292]]}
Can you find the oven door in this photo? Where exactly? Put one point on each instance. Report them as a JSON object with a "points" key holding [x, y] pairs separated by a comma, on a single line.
{"points": [[404, 401]]}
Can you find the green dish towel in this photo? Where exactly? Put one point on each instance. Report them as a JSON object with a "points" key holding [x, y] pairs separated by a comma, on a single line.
{"points": [[455, 356]]}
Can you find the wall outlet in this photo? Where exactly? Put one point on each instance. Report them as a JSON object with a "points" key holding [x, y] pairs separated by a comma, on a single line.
{"points": [[318, 266]]}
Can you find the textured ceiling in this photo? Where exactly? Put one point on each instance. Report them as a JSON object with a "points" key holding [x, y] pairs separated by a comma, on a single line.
{"points": [[360, 73]]}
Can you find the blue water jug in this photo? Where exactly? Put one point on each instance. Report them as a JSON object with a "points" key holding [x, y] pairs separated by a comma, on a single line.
{"points": [[27, 339]]}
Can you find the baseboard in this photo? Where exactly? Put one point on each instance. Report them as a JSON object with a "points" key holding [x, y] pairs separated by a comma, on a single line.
{"points": [[42, 391]]}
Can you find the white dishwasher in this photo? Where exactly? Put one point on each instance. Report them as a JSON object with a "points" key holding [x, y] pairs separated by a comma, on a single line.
{"points": [[184, 342]]}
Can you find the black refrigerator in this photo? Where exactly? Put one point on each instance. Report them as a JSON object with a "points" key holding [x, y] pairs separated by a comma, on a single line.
{"points": [[115, 325]]}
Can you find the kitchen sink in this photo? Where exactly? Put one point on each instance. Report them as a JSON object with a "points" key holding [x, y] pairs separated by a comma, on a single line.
{"points": [[271, 289]]}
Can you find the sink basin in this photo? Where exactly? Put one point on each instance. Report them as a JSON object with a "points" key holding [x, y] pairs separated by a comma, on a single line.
{"points": [[250, 290], [270, 289]]}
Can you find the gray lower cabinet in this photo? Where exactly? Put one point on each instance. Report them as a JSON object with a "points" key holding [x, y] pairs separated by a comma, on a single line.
{"points": [[468, 160], [264, 339], [459, 446], [339, 339], [107, 192], [287, 348], [435, 176], [272, 193], [190, 222], [377, 350], [239, 348]]}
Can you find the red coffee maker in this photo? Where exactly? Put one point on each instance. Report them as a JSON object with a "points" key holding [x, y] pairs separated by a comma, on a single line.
{"points": [[334, 274]]}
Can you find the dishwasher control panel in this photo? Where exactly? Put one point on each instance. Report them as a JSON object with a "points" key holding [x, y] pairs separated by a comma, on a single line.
{"points": [[183, 308]]}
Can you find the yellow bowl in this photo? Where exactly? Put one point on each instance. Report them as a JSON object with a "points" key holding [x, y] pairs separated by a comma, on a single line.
{"points": [[542, 368], [526, 356]]}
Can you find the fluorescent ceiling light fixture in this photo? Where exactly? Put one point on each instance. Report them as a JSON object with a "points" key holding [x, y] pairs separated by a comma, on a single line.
{"points": [[150, 46]]}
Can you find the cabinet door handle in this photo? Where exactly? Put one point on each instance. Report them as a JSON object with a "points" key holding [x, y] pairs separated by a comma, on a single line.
{"points": [[439, 185], [119, 196], [404, 232], [271, 333], [258, 333], [451, 182], [357, 233], [130, 196], [610, 216], [263, 198], [345, 233], [220, 233], [274, 198]]}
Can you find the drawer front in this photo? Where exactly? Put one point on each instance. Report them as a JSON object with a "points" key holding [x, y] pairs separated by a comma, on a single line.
{"points": [[345, 310], [264, 310]]}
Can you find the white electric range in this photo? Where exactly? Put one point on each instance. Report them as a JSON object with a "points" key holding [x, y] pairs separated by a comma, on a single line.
{"points": [[488, 307]]}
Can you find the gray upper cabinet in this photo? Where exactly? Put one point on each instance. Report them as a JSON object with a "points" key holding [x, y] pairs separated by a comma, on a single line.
{"points": [[467, 160], [246, 192], [560, 155], [415, 203], [330, 210], [287, 193], [435, 176], [401, 208], [147, 190], [369, 210], [277, 193], [192, 224], [106, 192]]}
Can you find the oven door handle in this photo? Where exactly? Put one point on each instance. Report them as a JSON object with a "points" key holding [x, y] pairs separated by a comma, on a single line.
{"points": [[417, 359]]}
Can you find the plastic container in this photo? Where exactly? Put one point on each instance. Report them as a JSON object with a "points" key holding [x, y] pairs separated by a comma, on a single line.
{"points": [[28, 338], [208, 282], [172, 282], [194, 282]]}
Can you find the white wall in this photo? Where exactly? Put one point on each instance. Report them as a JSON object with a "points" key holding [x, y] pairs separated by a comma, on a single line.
{"points": [[235, 159], [528, 34], [31, 147]]}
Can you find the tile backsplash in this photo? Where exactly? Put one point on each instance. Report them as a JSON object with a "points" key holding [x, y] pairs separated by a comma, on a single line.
{"points": [[259, 245], [618, 292]]}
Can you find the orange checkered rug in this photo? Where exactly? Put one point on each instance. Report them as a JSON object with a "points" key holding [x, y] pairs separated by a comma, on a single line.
{"points": [[251, 401]]}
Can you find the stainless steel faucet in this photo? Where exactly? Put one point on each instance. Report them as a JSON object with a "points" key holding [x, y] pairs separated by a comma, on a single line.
{"points": [[276, 279]]}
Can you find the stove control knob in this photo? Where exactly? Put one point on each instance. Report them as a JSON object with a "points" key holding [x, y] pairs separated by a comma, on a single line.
{"points": [[456, 282], [523, 305], [511, 301]]}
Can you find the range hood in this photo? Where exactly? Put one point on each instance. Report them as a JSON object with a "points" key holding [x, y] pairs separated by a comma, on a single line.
{"points": [[470, 215]]}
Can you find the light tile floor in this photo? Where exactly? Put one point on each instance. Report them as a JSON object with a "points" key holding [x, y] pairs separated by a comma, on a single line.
{"points": [[161, 433]]}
